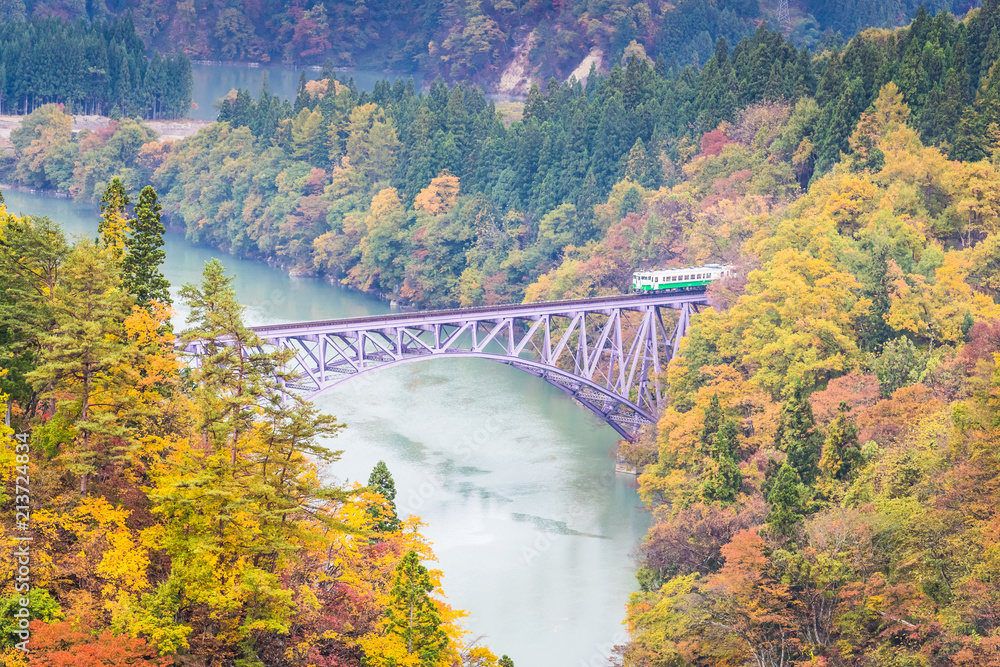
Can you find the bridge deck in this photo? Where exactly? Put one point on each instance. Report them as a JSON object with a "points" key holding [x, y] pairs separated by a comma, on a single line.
{"points": [[481, 313]]}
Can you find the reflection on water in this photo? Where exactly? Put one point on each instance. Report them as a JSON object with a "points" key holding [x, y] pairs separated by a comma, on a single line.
{"points": [[515, 481], [212, 82]]}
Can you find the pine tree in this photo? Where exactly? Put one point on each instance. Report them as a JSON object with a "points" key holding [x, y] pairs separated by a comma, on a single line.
{"points": [[727, 440], [724, 481], [797, 436], [786, 506], [713, 420], [31, 258], [841, 453], [89, 308], [381, 482], [234, 379], [114, 224], [303, 100], [412, 613], [141, 267]]}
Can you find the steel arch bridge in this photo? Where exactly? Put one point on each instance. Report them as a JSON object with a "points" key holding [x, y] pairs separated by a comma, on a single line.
{"points": [[604, 352]]}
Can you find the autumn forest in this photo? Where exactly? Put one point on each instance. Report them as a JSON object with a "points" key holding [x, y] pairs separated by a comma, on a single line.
{"points": [[823, 485]]}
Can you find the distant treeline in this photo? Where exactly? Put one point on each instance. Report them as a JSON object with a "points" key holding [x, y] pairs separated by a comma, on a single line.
{"points": [[94, 68], [437, 199], [573, 143], [472, 41]]}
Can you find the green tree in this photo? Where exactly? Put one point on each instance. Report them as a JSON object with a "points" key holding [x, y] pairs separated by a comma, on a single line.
{"points": [[89, 308], [841, 452], [713, 419], [786, 505], [724, 482], [381, 482], [113, 227], [412, 613], [727, 440], [32, 251], [899, 365], [233, 378], [724, 478], [141, 267], [797, 436]]}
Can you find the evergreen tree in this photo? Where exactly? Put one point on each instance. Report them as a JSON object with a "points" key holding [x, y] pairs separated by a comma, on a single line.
{"points": [[381, 482], [841, 452], [141, 267], [713, 420], [412, 613], [797, 436], [786, 506], [113, 226], [31, 258], [724, 481], [234, 379], [303, 100], [727, 439], [89, 308]]}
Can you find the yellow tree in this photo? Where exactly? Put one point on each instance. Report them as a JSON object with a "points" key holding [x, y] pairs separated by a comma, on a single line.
{"points": [[113, 227], [383, 247], [910, 308], [795, 322], [90, 307], [887, 113], [977, 200], [439, 196]]}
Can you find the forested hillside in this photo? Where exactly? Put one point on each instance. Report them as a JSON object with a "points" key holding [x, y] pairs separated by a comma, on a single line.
{"points": [[463, 40], [90, 68], [435, 200], [824, 482], [174, 514]]}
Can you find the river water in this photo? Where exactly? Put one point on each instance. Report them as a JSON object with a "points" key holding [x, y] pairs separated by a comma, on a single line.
{"points": [[516, 483], [213, 81]]}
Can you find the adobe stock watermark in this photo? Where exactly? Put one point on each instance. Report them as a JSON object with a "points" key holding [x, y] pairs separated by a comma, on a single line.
{"points": [[604, 651], [22, 541], [419, 494], [474, 440], [541, 544]]}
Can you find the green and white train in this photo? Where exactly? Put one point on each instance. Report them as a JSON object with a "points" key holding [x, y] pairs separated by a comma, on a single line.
{"points": [[678, 280]]}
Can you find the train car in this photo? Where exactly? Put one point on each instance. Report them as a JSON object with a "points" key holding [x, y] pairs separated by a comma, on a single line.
{"points": [[678, 280]]}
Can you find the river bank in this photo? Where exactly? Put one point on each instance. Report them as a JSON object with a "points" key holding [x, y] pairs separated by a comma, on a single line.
{"points": [[169, 130], [532, 527]]}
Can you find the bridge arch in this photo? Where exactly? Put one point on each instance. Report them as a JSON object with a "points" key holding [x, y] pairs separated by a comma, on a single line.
{"points": [[607, 352], [620, 413]]}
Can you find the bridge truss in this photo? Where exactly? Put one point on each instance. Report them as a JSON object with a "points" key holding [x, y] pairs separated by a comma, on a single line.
{"points": [[607, 353]]}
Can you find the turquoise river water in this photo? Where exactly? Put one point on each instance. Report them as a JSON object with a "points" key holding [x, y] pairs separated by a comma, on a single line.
{"points": [[532, 527]]}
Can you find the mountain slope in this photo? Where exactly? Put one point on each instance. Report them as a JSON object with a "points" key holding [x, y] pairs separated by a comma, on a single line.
{"points": [[468, 40]]}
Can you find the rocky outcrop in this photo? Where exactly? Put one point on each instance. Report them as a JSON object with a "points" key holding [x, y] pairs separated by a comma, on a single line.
{"points": [[519, 73], [595, 58]]}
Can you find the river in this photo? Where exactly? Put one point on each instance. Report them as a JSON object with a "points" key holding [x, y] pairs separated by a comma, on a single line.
{"points": [[515, 481], [213, 81]]}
